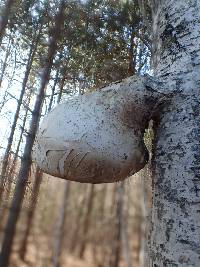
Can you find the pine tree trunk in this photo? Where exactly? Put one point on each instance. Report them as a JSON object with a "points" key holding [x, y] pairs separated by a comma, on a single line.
{"points": [[11, 172], [13, 165], [26, 159], [62, 83], [124, 235], [86, 222], [31, 211], [60, 227], [4, 65], [32, 51], [132, 55], [75, 237], [4, 18], [145, 201], [53, 90], [116, 250], [175, 239]]}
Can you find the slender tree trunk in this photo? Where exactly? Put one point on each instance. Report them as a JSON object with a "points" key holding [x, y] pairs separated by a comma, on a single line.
{"points": [[124, 235], [13, 166], [103, 202], [16, 116], [4, 65], [36, 188], [132, 55], [60, 228], [61, 88], [10, 173], [31, 211], [10, 82], [102, 216], [145, 204], [4, 17], [53, 90], [175, 238], [138, 220], [26, 160], [86, 222], [116, 250], [57, 249], [75, 237]]}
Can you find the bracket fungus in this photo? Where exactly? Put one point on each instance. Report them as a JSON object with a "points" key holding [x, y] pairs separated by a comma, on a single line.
{"points": [[97, 137]]}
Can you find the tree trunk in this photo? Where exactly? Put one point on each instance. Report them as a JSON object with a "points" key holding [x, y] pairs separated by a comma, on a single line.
{"points": [[86, 222], [116, 250], [53, 90], [145, 205], [61, 88], [11, 172], [4, 65], [60, 228], [124, 235], [175, 238], [13, 165], [26, 159], [75, 237], [32, 51], [4, 18], [132, 54], [31, 211]]}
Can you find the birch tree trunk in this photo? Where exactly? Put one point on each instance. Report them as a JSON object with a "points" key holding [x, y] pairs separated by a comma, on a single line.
{"points": [[175, 238]]}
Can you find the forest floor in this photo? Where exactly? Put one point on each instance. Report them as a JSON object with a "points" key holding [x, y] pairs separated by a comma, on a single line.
{"points": [[39, 255]]}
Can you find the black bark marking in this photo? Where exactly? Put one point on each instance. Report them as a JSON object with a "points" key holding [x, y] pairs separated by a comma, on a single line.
{"points": [[169, 227]]}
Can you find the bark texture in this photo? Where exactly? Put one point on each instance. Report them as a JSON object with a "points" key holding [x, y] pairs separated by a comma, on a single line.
{"points": [[175, 239]]}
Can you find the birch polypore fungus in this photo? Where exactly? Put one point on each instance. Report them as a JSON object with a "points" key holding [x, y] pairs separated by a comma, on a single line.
{"points": [[97, 137]]}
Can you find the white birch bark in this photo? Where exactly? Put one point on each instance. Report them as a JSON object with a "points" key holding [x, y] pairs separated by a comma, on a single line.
{"points": [[175, 239]]}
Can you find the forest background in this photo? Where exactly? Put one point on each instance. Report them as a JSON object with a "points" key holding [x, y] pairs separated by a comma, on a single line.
{"points": [[68, 48]]}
